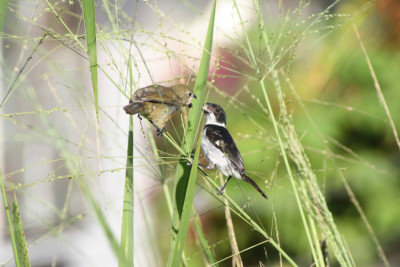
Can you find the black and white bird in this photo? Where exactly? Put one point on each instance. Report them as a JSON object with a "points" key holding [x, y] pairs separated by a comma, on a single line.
{"points": [[220, 149]]}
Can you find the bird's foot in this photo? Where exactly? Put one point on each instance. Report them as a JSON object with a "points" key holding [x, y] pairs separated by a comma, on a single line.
{"points": [[220, 191]]}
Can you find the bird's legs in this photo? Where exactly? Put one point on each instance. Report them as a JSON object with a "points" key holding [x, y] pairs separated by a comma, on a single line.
{"points": [[160, 132], [219, 192]]}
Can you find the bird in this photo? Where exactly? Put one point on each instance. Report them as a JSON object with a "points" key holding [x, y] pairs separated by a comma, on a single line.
{"points": [[158, 103], [220, 149]]}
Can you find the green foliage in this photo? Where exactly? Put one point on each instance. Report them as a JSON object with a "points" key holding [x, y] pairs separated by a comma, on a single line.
{"points": [[301, 103]]}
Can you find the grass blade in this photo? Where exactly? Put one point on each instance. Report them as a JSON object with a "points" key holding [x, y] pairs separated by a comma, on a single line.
{"points": [[128, 211], [23, 256], [177, 246], [378, 89], [90, 26], [182, 172], [203, 241], [237, 259], [9, 221], [3, 11]]}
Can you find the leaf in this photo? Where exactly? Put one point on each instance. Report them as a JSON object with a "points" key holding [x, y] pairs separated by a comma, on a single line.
{"points": [[177, 246], [3, 11], [90, 26], [182, 172], [128, 208], [9, 221], [23, 256]]}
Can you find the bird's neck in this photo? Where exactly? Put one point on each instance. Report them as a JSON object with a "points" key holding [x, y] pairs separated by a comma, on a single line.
{"points": [[214, 122]]}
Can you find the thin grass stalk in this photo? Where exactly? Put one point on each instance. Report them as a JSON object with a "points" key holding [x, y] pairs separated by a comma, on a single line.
{"points": [[127, 233], [245, 217], [183, 171], [9, 221], [20, 240], [122, 260], [276, 129], [286, 161], [74, 165], [310, 188], [357, 205], [236, 260], [346, 185], [379, 92], [90, 27], [166, 191], [319, 261], [208, 253]]}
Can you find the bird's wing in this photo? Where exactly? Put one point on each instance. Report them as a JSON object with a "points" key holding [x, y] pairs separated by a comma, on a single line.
{"points": [[156, 94], [221, 139]]}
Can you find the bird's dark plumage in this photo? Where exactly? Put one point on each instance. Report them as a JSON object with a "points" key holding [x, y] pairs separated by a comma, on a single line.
{"points": [[222, 139], [220, 149]]}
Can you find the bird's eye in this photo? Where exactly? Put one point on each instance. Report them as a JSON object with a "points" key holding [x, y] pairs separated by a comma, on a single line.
{"points": [[190, 94]]}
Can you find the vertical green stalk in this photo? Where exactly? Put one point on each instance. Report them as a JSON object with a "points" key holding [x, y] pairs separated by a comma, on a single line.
{"points": [[9, 221], [183, 171], [205, 246], [90, 26], [179, 243], [3, 11], [127, 235], [23, 256]]}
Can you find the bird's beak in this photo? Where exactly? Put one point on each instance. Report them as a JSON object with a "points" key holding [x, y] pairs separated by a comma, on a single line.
{"points": [[206, 109], [194, 96]]}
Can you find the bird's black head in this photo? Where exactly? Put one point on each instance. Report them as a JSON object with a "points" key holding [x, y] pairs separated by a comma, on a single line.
{"points": [[214, 114]]}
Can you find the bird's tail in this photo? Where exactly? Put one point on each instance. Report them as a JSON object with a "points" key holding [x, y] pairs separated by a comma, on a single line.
{"points": [[250, 181], [134, 107]]}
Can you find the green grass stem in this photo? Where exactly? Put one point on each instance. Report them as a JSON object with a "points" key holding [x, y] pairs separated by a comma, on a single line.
{"points": [[22, 248], [90, 26], [177, 246], [127, 226], [9, 221], [3, 11], [183, 171]]}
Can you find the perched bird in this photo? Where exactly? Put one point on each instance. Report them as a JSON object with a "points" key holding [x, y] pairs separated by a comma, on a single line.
{"points": [[158, 103], [219, 148]]}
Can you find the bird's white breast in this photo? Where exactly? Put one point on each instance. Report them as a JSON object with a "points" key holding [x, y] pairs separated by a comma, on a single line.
{"points": [[217, 157]]}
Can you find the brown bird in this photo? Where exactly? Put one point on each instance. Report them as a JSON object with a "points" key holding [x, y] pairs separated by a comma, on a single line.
{"points": [[158, 103]]}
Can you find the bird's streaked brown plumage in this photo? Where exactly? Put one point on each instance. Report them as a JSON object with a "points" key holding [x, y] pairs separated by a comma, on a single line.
{"points": [[158, 103]]}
